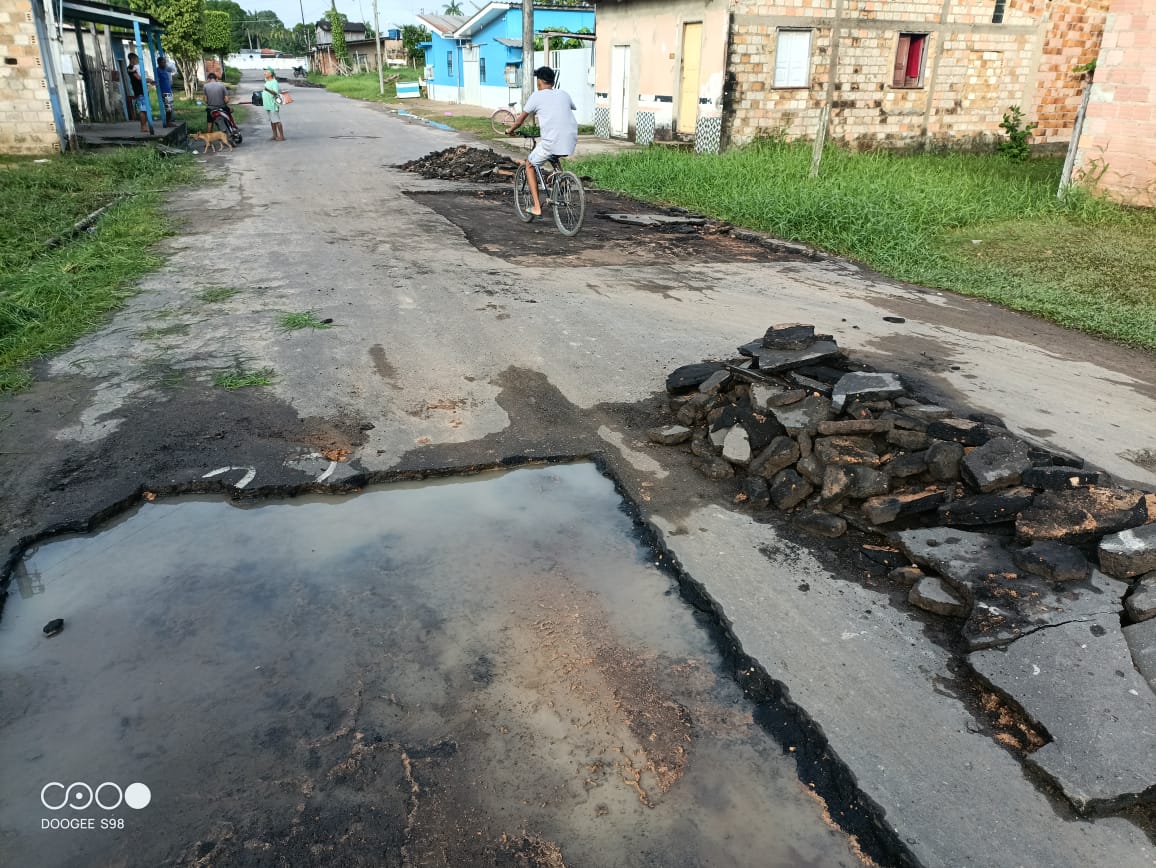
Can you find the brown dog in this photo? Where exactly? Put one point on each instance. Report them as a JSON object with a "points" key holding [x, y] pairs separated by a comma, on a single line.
{"points": [[212, 139]]}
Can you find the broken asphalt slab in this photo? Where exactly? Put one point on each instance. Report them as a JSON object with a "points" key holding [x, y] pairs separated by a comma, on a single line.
{"points": [[1005, 602], [1078, 681]]}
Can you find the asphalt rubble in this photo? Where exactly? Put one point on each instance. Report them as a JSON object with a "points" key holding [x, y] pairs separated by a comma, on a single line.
{"points": [[463, 163], [1047, 566]]}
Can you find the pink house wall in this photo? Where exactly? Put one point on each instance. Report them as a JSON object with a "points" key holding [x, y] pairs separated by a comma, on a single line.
{"points": [[1117, 153]]}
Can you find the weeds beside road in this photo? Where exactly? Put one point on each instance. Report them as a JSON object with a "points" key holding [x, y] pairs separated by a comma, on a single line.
{"points": [[365, 85], [980, 225], [49, 296]]}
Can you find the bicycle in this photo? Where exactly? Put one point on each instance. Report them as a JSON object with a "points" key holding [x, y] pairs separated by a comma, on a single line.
{"points": [[560, 189], [503, 118]]}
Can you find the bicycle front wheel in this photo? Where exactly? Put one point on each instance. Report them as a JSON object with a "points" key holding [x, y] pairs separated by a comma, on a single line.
{"points": [[569, 203], [523, 198], [501, 120]]}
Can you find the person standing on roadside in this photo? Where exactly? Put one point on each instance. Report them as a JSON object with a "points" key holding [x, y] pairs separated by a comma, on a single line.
{"points": [[165, 87], [137, 82], [271, 102]]}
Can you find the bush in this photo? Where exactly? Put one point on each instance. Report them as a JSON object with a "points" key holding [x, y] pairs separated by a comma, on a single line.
{"points": [[1015, 146], [232, 75]]}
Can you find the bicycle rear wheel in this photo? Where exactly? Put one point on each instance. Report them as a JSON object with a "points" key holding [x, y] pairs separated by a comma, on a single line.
{"points": [[569, 203], [523, 198], [502, 119]]}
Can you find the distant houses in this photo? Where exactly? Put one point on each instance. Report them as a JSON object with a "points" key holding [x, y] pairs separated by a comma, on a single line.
{"points": [[899, 74], [362, 48], [478, 60]]}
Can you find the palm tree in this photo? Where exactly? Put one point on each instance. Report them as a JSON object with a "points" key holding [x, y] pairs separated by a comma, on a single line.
{"points": [[453, 8]]}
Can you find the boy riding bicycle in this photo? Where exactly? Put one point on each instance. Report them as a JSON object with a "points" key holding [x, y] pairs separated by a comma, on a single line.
{"points": [[559, 127]]}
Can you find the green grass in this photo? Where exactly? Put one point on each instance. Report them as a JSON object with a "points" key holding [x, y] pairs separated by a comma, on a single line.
{"points": [[1084, 263], [193, 115], [51, 296], [166, 331], [364, 85], [294, 321], [240, 378], [216, 294]]}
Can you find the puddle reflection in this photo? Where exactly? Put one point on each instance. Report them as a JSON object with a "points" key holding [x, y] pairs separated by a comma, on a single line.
{"points": [[469, 672]]}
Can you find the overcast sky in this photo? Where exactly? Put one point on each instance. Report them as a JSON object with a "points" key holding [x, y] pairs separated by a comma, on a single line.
{"points": [[400, 12]]}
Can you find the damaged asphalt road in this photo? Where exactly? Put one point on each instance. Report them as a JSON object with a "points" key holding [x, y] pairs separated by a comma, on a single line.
{"points": [[444, 356]]}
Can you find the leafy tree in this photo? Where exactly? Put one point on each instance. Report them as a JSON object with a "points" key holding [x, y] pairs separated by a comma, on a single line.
{"points": [[237, 17], [337, 22], [560, 44], [413, 35], [453, 8], [303, 37], [183, 31], [263, 27], [216, 32]]}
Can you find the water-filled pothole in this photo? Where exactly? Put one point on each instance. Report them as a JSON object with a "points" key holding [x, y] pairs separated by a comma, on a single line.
{"points": [[476, 672]]}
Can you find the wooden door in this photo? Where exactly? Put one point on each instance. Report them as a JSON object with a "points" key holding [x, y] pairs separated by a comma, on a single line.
{"points": [[688, 81]]}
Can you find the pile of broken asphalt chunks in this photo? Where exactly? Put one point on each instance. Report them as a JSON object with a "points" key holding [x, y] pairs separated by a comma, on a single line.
{"points": [[815, 433], [980, 524]]}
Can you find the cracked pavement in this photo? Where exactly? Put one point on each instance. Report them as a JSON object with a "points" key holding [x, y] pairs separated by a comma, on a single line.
{"points": [[444, 356]]}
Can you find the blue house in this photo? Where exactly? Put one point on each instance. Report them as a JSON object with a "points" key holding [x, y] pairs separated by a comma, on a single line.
{"points": [[478, 60]]}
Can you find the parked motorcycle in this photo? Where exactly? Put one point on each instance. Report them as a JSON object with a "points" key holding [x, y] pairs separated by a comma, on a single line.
{"points": [[221, 118], [300, 72]]}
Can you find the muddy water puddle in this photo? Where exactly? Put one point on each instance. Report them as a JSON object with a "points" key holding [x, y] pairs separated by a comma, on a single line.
{"points": [[490, 671]]}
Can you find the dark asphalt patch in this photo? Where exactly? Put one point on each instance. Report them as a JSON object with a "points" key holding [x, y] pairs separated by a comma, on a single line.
{"points": [[488, 219]]}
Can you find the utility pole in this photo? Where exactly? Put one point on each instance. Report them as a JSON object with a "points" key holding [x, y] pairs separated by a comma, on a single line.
{"points": [[527, 50], [377, 33]]}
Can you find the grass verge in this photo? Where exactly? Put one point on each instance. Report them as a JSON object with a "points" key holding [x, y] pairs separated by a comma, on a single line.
{"points": [[979, 225], [49, 296], [240, 378], [216, 294], [364, 85], [294, 321]]}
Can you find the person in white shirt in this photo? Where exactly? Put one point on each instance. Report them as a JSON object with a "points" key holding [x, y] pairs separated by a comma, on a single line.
{"points": [[559, 127]]}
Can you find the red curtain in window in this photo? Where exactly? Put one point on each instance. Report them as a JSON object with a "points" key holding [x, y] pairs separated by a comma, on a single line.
{"points": [[915, 58]]}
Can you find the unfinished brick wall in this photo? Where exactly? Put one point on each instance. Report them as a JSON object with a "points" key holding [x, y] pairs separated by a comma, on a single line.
{"points": [[26, 123], [973, 69], [1117, 153], [1073, 39]]}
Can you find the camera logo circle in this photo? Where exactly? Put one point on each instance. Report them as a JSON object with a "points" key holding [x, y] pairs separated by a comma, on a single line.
{"points": [[80, 796]]}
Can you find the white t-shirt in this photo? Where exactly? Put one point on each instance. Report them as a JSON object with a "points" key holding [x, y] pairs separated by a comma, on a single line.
{"points": [[556, 119]]}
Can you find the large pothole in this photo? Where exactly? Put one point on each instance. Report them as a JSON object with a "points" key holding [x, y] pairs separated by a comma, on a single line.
{"points": [[483, 671]]}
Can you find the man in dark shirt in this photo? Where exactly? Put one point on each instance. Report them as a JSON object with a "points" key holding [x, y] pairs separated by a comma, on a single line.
{"points": [[137, 82]]}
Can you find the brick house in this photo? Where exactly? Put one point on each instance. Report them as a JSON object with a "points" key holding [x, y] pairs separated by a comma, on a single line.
{"points": [[48, 84], [895, 74], [1117, 150], [29, 113]]}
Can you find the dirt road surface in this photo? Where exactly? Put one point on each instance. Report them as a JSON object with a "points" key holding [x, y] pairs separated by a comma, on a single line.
{"points": [[462, 338]]}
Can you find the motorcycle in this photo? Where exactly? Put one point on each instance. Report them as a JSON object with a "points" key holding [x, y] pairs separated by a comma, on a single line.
{"points": [[300, 72], [221, 118]]}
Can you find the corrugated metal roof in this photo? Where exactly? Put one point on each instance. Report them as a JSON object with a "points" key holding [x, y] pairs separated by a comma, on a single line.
{"points": [[443, 24]]}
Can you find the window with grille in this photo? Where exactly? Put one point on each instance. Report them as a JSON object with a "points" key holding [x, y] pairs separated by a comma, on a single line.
{"points": [[482, 68], [997, 13], [909, 57], [450, 62], [793, 58]]}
